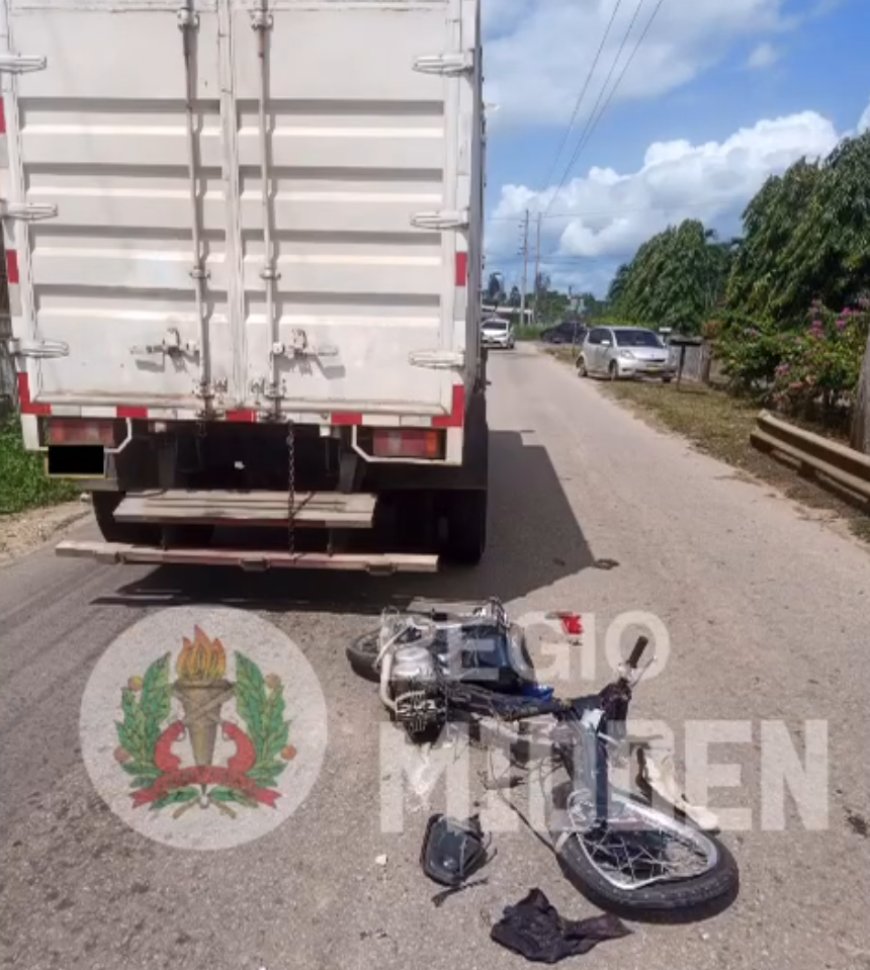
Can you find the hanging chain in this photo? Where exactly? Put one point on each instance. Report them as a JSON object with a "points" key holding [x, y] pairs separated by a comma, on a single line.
{"points": [[291, 488]]}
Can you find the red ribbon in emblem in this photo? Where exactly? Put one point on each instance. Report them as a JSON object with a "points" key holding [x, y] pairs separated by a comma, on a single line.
{"points": [[234, 775]]}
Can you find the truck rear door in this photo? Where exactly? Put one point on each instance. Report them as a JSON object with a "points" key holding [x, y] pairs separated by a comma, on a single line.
{"points": [[225, 207], [99, 134]]}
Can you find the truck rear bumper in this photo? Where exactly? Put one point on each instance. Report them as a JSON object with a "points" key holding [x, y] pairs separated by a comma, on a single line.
{"points": [[252, 560]]}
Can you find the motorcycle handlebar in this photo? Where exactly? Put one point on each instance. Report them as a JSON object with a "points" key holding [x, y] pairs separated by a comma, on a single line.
{"points": [[637, 652], [534, 708]]}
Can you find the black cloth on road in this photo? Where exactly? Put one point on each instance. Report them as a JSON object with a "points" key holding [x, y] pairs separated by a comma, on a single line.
{"points": [[534, 929]]}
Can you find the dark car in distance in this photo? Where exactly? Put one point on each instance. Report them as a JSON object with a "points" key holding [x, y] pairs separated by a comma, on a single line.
{"points": [[566, 332]]}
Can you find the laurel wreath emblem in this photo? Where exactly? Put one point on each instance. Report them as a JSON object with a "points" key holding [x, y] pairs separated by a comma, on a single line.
{"points": [[146, 704]]}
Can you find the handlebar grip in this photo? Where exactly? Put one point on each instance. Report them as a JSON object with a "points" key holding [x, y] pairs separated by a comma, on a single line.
{"points": [[637, 652]]}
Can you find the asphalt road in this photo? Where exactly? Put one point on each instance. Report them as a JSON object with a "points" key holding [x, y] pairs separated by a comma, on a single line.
{"points": [[767, 610]]}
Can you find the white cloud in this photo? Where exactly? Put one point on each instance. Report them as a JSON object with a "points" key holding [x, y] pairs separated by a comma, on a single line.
{"points": [[605, 215], [537, 52], [864, 121], [763, 56]]}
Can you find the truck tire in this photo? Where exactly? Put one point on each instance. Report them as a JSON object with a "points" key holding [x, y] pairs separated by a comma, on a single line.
{"points": [[136, 533], [466, 527]]}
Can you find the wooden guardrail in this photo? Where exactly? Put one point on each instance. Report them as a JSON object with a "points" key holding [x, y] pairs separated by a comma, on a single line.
{"points": [[814, 453]]}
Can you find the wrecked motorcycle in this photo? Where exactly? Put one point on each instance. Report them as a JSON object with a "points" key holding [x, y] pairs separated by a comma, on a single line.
{"points": [[621, 850]]}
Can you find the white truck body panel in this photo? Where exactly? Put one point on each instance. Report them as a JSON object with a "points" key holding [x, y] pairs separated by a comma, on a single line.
{"points": [[359, 144]]}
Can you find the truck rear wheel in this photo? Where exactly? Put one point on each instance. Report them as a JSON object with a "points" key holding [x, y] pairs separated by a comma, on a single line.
{"points": [[465, 538], [136, 533]]}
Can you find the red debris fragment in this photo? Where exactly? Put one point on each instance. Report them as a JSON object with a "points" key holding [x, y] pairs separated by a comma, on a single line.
{"points": [[572, 623]]}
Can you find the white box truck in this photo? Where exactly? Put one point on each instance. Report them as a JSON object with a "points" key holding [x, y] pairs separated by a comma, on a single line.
{"points": [[243, 244]]}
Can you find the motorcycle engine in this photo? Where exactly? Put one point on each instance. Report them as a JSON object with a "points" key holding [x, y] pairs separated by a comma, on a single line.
{"points": [[420, 706]]}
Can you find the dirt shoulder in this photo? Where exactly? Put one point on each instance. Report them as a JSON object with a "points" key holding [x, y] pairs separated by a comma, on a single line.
{"points": [[719, 425], [22, 532]]}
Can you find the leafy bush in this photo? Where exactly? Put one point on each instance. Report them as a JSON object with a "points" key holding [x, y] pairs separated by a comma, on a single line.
{"points": [[797, 369], [23, 483], [822, 362], [750, 352], [527, 332]]}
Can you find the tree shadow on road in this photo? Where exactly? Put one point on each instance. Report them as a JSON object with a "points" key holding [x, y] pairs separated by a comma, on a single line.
{"points": [[534, 540]]}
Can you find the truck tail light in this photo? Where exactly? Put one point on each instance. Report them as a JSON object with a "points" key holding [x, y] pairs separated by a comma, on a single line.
{"points": [[407, 443], [78, 431]]}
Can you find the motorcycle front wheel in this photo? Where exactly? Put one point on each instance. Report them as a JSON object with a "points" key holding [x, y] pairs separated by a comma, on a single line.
{"points": [[647, 863]]}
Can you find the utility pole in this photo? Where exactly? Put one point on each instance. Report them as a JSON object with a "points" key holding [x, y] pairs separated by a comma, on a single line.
{"points": [[860, 432], [525, 269], [537, 263]]}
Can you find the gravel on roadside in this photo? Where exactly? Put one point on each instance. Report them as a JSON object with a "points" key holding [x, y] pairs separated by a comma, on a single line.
{"points": [[21, 532]]}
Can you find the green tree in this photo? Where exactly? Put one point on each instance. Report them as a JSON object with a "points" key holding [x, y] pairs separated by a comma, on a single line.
{"points": [[807, 236], [618, 283], [495, 288], [769, 222], [675, 280]]}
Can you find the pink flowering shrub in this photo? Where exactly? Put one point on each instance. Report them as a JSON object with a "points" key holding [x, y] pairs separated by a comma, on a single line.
{"points": [[822, 362]]}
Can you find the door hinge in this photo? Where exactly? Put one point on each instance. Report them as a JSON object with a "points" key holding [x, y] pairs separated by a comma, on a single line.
{"points": [[450, 65], [440, 220], [188, 18], [261, 19], [27, 211], [14, 63], [437, 359], [37, 348]]}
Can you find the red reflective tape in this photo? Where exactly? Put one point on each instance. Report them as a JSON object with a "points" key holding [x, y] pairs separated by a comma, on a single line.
{"points": [[456, 418], [2, 116], [11, 266], [25, 403], [128, 411], [345, 418], [462, 269], [242, 416]]}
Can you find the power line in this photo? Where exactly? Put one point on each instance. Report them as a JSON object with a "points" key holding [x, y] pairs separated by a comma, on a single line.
{"points": [[595, 121], [688, 205], [582, 94], [580, 213], [585, 128], [550, 260]]}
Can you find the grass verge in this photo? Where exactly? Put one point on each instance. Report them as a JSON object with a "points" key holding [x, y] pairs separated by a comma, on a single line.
{"points": [[719, 425], [23, 483]]}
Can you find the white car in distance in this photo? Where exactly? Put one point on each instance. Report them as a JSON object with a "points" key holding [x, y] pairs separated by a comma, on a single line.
{"points": [[497, 333]]}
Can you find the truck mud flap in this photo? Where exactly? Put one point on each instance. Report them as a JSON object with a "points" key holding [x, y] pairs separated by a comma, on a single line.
{"points": [[252, 560]]}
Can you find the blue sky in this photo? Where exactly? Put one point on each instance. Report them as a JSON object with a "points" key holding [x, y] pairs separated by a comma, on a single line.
{"points": [[719, 95]]}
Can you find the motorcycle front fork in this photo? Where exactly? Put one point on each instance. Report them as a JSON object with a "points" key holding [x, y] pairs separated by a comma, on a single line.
{"points": [[591, 768]]}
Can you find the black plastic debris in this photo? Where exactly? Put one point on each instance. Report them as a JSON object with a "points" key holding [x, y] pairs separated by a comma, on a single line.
{"points": [[453, 850], [534, 929]]}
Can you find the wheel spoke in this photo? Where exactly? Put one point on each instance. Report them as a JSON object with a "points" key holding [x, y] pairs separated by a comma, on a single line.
{"points": [[633, 851]]}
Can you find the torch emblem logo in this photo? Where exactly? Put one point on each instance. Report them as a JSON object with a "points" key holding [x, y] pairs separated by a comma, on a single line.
{"points": [[171, 755], [204, 727]]}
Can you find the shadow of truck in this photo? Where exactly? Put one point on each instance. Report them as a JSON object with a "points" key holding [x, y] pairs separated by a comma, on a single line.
{"points": [[534, 540]]}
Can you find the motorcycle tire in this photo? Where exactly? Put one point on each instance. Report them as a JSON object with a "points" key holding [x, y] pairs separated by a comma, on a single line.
{"points": [[691, 898], [362, 654]]}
